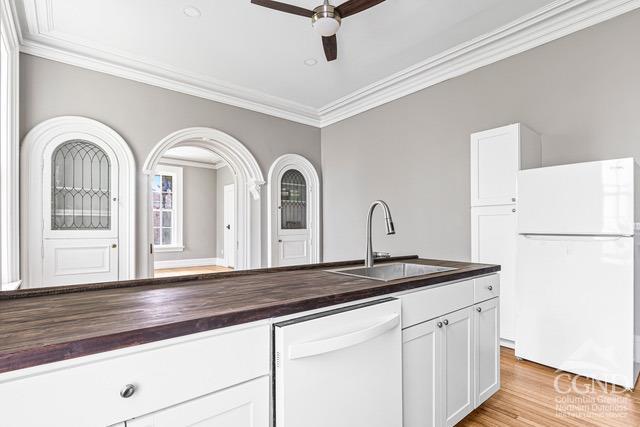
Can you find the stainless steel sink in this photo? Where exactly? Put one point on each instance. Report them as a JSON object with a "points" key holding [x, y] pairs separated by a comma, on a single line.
{"points": [[391, 271]]}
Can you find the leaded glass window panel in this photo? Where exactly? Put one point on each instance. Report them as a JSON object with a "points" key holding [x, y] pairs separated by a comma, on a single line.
{"points": [[80, 187], [293, 200]]}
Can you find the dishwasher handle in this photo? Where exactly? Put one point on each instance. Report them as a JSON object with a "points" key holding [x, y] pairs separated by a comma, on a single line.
{"points": [[314, 348]]}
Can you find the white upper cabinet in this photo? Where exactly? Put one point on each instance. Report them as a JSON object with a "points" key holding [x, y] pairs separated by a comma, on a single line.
{"points": [[496, 157]]}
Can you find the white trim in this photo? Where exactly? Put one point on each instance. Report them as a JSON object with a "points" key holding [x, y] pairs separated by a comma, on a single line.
{"points": [[181, 162], [193, 262], [176, 172], [637, 348], [9, 149], [293, 161], [507, 343], [55, 131], [248, 180], [549, 23]]}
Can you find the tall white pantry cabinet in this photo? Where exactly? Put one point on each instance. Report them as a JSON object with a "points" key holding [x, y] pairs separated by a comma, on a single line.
{"points": [[496, 157]]}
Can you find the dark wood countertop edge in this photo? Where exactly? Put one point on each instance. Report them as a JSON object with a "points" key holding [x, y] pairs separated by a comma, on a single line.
{"points": [[57, 290], [93, 345]]}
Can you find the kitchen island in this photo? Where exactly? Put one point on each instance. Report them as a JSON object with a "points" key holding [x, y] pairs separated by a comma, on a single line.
{"points": [[126, 349]]}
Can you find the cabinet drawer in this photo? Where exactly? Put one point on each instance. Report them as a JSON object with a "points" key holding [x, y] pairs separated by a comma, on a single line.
{"points": [[427, 304], [88, 393], [486, 287]]}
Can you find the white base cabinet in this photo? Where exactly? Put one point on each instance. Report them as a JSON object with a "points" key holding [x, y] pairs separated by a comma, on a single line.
{"points": [[450, 365], [245, 405]]}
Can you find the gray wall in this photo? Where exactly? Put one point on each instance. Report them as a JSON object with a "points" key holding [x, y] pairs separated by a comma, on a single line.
{"points": [[581, 92], [225, 177], [199, 227], [144, 114]]}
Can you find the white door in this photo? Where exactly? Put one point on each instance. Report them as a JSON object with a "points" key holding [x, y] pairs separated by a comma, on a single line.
{"points": [[341, 368], [457, 372], [293, 219], [493, 241], [583, 198], [494, 166], [80, 214], [245, 405], [229, 225], [487, 350], [421, 375], [575, 305]]}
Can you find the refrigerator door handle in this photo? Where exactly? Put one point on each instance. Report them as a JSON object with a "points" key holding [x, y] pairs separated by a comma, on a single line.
{"points": [[314, 348], [574, 237]]}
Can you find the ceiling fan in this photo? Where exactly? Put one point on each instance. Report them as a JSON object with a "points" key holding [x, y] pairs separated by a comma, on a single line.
{"points": [[325, 18]]}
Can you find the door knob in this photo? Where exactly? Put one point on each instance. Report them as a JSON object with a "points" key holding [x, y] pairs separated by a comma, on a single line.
{"points": [[439, 324], [446, 322], [128, 391], [228, 226], [479, 309], [279, 240]]}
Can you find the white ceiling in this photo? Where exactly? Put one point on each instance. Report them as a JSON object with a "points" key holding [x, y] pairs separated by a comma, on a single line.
{"points": [[251, 56], [194, 154]]}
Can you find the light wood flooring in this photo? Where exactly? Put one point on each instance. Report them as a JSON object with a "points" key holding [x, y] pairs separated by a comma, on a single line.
{"points": [[528, 397], [185, 271]]}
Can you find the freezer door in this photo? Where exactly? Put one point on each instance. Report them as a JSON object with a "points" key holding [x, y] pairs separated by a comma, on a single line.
{"points": [[343, 369], [584, 198], [575, 305]]}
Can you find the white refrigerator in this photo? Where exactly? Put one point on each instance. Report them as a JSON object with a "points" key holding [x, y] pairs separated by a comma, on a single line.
{"points": [[578, 291]]}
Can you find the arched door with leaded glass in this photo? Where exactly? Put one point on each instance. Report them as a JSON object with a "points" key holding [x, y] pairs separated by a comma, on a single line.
{"points": [[293, 218], [80, 213]]}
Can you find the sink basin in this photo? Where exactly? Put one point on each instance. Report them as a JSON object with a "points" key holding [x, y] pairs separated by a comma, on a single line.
{"points": [[391, 271]]}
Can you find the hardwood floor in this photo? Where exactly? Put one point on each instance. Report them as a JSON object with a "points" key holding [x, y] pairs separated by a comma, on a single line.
{"points": [[528, 397], [185, 271]]}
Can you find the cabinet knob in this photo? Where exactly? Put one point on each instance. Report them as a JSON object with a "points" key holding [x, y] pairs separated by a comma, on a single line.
{"points": [[513, 210], [439, 324], [513, 199], [478, 309], [446, 322], [490, 287], [128, 391], [114, 246]]}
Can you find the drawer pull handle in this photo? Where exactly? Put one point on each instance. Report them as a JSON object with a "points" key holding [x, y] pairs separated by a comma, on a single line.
{"points": [[490, 287], [439, 324], [446, 322], [479, 309], [128, 391]]}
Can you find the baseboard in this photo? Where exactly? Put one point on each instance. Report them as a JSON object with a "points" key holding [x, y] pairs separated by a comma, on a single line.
{"points": [[507, 343], [195, 262], [11, 286]]}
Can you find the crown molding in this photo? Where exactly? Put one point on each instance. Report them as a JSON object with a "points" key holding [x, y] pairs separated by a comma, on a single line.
{"points": [[10, 23], [549, 23]]}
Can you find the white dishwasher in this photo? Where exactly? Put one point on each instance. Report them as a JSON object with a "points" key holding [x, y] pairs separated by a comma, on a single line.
{"points": [[340, 368]]}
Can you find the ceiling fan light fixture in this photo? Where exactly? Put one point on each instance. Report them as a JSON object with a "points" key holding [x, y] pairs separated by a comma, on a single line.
{"points": [[325, 20]]}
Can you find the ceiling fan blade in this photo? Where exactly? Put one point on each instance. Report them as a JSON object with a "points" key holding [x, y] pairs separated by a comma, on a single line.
{"points": [[351, 7], [330, 45], [284, 7]]}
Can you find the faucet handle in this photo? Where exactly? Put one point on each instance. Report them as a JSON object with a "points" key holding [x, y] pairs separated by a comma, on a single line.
{"points": [[381, 255]]}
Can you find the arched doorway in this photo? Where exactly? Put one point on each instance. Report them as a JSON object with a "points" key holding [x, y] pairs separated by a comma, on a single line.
{"points": [[248, 183], [294, 212], [78, 198]]}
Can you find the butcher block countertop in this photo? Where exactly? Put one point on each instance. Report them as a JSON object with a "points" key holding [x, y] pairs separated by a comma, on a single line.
{"points": [[54, 324]]}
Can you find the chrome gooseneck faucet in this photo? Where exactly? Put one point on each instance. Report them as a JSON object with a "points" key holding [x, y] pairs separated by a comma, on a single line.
{"points": [[368, 258]]}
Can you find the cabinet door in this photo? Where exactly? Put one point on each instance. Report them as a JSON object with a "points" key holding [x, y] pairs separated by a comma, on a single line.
{"points": [[494, 165], [487, 349], [421, 375], [457, 373], [493, 241], [245, 405]]}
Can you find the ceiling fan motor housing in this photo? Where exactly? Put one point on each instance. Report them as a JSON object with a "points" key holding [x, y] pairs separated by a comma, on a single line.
{"points": [[326, 20]]}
